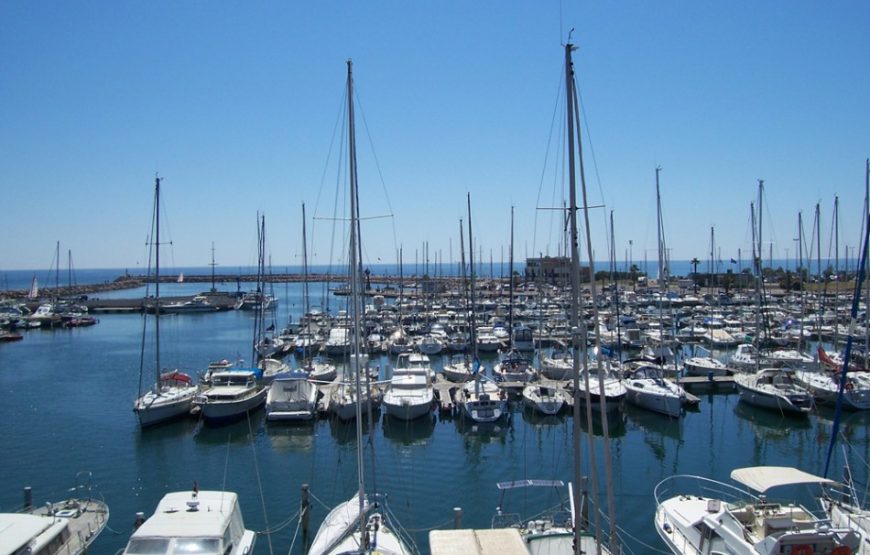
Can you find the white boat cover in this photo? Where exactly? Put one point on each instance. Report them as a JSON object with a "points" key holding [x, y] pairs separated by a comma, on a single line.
{"points": [[762, 478], [337, 524]]}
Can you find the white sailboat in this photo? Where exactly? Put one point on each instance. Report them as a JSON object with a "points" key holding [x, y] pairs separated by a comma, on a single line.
{"points": [[173, 392], [363, 524]]}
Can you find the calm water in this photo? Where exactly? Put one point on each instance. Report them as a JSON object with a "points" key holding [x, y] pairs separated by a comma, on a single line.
{"points": [[66, 407]]}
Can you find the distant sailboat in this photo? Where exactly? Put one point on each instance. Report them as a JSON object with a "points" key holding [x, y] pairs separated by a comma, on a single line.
{"points": [[180, 277], [34, 289]]}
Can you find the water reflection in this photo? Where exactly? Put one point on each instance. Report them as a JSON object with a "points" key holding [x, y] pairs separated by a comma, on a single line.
{"points": [[233, 433], [291, 437], [413, 432], [345, 432], [770, 424]]}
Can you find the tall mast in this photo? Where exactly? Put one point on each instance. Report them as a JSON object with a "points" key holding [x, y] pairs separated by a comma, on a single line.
{"points": [[473, 337], [511, 286], [213, 289], [157, 280], [354, 290], [662, 277], [305, 302]]}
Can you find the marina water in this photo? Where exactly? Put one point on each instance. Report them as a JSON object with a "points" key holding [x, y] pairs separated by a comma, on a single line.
{"points": [[67, 407]]}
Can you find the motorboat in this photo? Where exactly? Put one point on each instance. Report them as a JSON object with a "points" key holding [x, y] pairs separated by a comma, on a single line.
{"points": [[774, 388], [193, 522], [230, 395], [291, 397], [705, 366], [199, 303], [647, 388], [66, 527], [410, 393], [701, 516]]}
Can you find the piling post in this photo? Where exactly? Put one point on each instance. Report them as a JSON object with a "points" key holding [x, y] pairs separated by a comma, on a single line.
{"points": [[304, 512], [28, 498], [457, 518]]}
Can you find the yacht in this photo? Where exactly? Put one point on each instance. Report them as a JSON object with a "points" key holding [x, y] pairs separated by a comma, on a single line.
{"points": [[231, 395], [410, 393], [291, 397], [193, 522], [701, 516]]}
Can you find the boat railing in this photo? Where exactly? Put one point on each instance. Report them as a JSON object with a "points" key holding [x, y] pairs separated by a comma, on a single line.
{"points": [[688, 485]]}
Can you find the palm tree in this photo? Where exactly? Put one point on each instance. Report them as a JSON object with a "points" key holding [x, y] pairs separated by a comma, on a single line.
{"points": [[694, 264]]}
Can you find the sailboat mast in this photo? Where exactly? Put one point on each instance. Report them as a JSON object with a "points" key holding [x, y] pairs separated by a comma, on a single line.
{"points": [[511, 286], [305, 306], [659, 230], [579, 523], [354, 290], [473, 338], [157, 279]]}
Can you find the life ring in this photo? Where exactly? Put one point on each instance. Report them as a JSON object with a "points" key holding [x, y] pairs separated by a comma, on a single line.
{"points": [[849, 387], [802, 549], [841, 550]]}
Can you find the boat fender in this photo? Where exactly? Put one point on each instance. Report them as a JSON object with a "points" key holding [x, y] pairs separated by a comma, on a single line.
{"points": [[802, 549], [841, 550], [667, 527]]}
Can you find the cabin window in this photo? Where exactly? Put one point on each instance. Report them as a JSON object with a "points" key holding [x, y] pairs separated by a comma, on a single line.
{"points": [[148, 546], [197, 546]]}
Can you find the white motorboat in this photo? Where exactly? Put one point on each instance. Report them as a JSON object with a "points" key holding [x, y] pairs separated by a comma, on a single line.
{"points": [[410, 393], [338, 342], [774, 388], [745, 358], [319, 370], [522, 338], [430, 344], [67, 527], [291, 397], [544, 399], [199, 303], [647, 388], [194, 522], [487, 342], [691, 520], [231, 395], [272, 368]]}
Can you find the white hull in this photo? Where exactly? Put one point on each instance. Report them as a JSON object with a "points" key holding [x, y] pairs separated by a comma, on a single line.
{"points": [[153, 409], [217, 411]]}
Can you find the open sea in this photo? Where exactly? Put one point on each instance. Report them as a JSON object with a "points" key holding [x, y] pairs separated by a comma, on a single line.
{"points": [[66, 407]]}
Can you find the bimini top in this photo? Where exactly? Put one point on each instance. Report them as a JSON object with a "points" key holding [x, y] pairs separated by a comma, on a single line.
{"points": [[762, 478]]}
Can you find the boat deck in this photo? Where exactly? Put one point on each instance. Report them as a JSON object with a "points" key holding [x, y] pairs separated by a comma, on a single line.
{"points": [[500, 541]]}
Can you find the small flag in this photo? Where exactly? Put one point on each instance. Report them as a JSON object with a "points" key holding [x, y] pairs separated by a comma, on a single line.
{"points": [[733, 261], [271, 327]]}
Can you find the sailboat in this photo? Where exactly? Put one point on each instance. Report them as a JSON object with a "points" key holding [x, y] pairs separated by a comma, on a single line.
{"points": [[173, 392], [363, 524]]}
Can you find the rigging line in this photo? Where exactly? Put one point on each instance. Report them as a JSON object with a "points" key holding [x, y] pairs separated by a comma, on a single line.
{"points": [[259, 483], [295, 535], [377, 164], [556, 105], [339, 119], [594, 161]]}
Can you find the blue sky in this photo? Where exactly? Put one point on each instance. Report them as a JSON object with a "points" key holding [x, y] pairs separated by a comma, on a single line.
{"points": [[235, 105]]}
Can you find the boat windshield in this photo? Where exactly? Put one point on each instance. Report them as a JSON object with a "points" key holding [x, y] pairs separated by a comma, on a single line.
{"points": [[180, 546]]}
